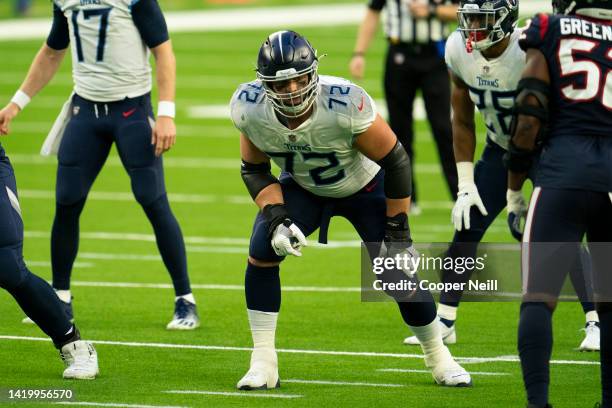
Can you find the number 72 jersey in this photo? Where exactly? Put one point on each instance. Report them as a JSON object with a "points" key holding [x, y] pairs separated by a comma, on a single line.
{"points": [[320, 154], [110, 59], [579, 56]]}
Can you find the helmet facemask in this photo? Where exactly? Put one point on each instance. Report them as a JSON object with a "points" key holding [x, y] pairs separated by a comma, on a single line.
{"points": [[482, 27], [292, 104]]}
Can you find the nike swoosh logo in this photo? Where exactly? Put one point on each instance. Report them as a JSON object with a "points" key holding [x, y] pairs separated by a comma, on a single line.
{"points": [[360, 107], [129, 113], [370, 188]]}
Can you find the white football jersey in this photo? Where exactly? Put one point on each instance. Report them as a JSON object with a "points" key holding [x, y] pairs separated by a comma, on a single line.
{"points": [[110, 61], [319, 154], [492, 83]]}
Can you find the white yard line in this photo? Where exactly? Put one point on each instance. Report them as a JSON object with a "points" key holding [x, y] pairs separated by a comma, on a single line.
{"points": [[248, 394], [265, 18], [133, 285], [113, 404], [298, 351], [407, 370], [348, 383]]}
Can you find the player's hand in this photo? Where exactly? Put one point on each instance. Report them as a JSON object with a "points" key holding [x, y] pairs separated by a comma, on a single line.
{"points": [[399, 243], [164, 134], [466, 198], [285, 237], [418, 9], [357, 66], [517, 212], [6, 116]]}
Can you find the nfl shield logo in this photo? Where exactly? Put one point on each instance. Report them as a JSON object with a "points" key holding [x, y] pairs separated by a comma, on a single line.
{"points": [[75, 110], [292, 138], [486, 69]]}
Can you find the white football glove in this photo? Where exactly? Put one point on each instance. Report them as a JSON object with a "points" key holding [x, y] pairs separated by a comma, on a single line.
{"points": [[287, 239], [517, 213], [466, 197]]}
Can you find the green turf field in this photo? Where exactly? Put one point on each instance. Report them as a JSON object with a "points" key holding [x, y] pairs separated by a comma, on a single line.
{"points": [[213, 207]]}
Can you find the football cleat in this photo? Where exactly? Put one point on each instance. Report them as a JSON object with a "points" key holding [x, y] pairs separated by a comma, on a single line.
{"points": [[263, 373], [446, 371], [591, 338], [67, 310], [185, 316], [80, 359], [449, 336]]}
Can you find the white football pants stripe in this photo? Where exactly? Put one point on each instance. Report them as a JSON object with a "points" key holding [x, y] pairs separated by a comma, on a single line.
{"points": [[14, 201], [527, 236]]}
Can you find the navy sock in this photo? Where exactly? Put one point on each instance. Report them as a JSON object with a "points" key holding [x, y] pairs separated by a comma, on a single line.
{"points": [[262, 288], [535, 345], [419, 313], [605, 324], [170, 243], [65, 242], [41, 304]]}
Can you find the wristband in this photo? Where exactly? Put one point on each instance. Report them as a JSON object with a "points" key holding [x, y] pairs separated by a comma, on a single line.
{"points": [[21, 99], [465, 173], [166, 108]]}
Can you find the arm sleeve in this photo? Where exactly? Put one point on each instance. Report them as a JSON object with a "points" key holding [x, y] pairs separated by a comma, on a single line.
{"points": [[376, 4], [150, 21], [59, 37]]}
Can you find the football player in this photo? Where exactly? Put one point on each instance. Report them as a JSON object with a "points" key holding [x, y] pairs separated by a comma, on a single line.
{"points": [[485, 63], [111, 40], [566, 87], [338, 157], [33, 294]]}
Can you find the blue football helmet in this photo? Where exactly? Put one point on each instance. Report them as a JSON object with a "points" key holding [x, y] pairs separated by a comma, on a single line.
{"points": [[486, 22], [601, 9], [285, 56]]}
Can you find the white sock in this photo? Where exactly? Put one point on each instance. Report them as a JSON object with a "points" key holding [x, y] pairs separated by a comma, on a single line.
{"points": [[64, 295], [447, 312], [431, 342], [592, 316], [188, 297], [263, 328]]}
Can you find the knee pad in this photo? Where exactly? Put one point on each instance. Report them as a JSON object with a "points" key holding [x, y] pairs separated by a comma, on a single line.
{"points": [[69, 188], [147, 185], [12, 269]]}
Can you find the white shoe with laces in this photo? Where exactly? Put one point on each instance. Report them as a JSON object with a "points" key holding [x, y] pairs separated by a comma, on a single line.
{"points": [[591, 338], [81, 360], [263, 373], [446, 371]]}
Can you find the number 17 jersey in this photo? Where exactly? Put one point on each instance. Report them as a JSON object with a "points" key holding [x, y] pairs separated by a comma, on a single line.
{"points": [[110, 60]]}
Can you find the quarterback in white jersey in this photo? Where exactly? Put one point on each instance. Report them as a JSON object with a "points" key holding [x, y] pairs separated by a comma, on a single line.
{"points": [[111, 103], [485, 62], [325, 135]]}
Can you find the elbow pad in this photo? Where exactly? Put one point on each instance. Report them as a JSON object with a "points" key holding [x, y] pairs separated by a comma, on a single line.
{"points": [[256, 177], [398, 174]]}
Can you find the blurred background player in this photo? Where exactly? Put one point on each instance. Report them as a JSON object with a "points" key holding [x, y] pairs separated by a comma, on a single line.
{"points": [[112, 103], [331, 144], [564, 101], [35, 297], [416, 31], [485, 63]]}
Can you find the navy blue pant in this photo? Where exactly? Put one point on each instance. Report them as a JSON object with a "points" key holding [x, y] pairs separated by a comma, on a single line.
{"points": [[85, 146], [33, 294], [557, 222], [365, 210], [491, 178]]}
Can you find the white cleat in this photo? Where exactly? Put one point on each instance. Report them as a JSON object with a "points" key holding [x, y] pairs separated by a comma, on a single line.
{"points": [[446, 371], [185, 316], [449, 336], [263, 373], [591, 338], [81, 360]]}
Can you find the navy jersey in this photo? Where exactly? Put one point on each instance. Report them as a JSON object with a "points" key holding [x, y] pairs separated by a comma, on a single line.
{"points": [[578, 150]]}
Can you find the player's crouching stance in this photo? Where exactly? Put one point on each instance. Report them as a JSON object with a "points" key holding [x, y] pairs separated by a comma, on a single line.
{"points": [[331, 144]]}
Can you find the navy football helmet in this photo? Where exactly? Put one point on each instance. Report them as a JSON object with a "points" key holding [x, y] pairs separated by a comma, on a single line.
{"points": [[601, 9], [486, 22], [285, 56]]}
